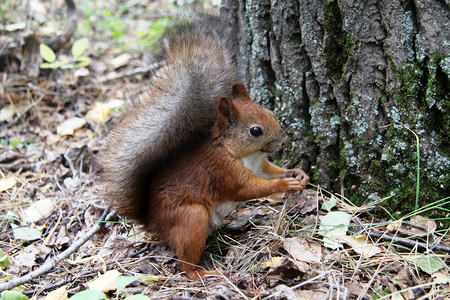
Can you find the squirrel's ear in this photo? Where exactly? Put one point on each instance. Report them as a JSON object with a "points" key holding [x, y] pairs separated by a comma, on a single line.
{"points": [[228, 112], [239, 91]]}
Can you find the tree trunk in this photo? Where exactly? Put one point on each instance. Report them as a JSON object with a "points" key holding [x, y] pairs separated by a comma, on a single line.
{"points": [[349, 79]]}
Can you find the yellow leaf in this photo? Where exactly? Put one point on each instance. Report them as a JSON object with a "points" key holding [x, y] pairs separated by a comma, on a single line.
{"points": [[101, 112], [275, 261], [361, 245], [59, 294], [7, 183], [105, 282]]}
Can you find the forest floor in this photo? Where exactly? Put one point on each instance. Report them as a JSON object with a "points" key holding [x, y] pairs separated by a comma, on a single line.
{"points": [[53, 123]]}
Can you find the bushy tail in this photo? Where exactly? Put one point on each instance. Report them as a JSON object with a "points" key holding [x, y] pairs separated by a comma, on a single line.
{"points": [[178, 108]]}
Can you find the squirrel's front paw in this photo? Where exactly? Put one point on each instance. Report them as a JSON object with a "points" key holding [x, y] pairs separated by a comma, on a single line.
{"points": [[292, 184], [299, 175]]}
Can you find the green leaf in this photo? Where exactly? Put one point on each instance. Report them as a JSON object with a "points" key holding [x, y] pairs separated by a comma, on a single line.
{"points": [[13, 295], [83, 62], [68, 66], [117, 34], [89, 295], [4, 262], [46, 66], [10, 218], [429, 263], [47, 53], [60, 64], [80, 46], [123, 281], [25, 233], [328, 205], [334, 224]]}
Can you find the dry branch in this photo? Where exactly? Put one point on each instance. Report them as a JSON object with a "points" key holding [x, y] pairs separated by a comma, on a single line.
{"points": [[408, 242]]}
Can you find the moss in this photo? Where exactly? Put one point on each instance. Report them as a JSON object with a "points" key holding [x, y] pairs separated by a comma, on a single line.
{"points": [[338, 44], [421, 104]]}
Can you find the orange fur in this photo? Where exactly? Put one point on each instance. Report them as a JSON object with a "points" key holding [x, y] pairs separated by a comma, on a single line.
{"points": [[184, 195]]}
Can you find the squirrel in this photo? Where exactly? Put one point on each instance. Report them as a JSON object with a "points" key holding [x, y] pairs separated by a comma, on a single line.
{"points": [[193, 145]]}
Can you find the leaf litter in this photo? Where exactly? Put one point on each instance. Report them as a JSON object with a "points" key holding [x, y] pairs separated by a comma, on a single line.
{"points": [[309, 245]]}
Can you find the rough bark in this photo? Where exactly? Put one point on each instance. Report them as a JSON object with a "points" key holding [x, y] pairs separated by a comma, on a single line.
{"points": [[347, 78]]}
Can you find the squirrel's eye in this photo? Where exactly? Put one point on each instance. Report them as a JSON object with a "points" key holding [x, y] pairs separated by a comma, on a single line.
{"points": [[256, 131]]}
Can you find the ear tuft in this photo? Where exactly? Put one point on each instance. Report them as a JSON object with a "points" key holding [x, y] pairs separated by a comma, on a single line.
{"points": [[239, 91]]}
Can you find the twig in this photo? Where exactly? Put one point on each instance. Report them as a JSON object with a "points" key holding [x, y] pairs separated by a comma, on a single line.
{"points": [[55, 260], [408, 242], [56, 285]]}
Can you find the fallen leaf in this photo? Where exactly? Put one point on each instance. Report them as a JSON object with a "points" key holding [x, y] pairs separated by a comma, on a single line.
{"points": [[123, 281], [289, 269], [7, 183], [4, 262], [428, 263], [120, 60], [38, 210], [105, 282], [428, 225], [441, 277], [394, 226], [328, 205], [70, 125], [25, 233], [303, 250], [58, 294], [334, 224], [7, 113], [101, 112], [116, 247], [89, 294], [13, 295], [274, 261], [361, 245], [27, 257]]}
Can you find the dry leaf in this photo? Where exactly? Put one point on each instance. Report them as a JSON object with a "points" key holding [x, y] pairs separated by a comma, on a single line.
{"points": [[105, 282], [394, 226], [38, 210], [120, 60], [58, 294], [441, 277], [289, 269], [303, 250], [430, 225], [101, 113], [70, 125], [361, 245], [275, 261], [7, 113], [7, 183]]}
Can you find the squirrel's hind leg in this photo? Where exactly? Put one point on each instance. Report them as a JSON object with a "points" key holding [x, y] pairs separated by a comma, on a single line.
{"points": [[189, 238]]}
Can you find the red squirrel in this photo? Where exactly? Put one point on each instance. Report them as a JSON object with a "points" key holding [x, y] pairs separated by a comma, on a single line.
{"points": [[194, 144]]}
